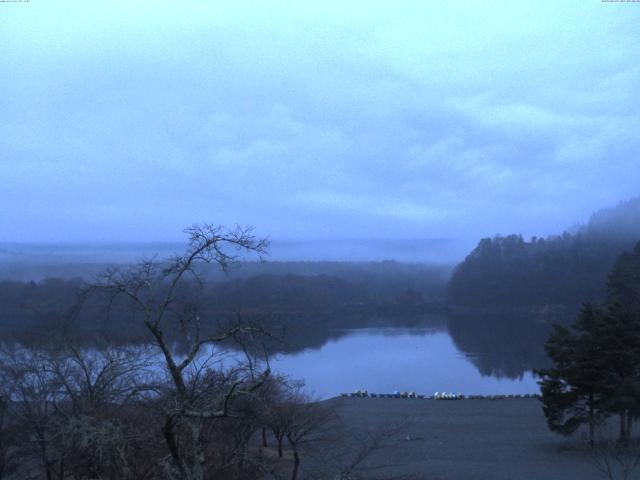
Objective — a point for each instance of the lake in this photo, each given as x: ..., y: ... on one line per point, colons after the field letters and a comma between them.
x: 383, y: 360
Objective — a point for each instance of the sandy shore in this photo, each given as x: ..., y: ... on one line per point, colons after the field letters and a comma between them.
x: 465, y: 439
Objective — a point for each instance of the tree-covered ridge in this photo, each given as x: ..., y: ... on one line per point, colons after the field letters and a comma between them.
x: 567, y: 269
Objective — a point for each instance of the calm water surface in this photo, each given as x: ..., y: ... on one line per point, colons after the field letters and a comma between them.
x: 382, y: 360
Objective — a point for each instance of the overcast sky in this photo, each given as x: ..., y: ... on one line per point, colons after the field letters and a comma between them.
x: 131, y: 120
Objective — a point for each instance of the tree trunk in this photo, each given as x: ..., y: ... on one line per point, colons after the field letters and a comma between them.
x: 623, y: 427
x: 61, y: 468
x: 197, y: 466
x: 592, y: 420
x: 296, y: 462
x: 167, y: 431
x: 629, y: 425
x: 264, y: 437
x: 45, y: 460
x: 280, y: 446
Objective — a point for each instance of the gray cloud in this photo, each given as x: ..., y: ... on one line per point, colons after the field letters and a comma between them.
x: 133, y: 119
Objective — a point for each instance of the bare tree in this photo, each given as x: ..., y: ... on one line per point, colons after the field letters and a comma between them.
x: 347, y: 457
x: 34, y: 393
x: 67, y: 406
x: 7, y: 429
x: 308, y: 421
x: 616, y: 460
x: 98, y: 411
x: 165, y: 296
x: 292, y: 415
x: 276, y: 412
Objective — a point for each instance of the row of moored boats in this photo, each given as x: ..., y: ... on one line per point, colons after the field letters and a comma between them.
x: 435, y: 396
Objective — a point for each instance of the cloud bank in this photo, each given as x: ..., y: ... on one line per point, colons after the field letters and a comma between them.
x: 130, y: 120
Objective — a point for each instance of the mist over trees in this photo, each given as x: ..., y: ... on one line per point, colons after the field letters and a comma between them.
x: 301, y: 298
x: 568, y: 269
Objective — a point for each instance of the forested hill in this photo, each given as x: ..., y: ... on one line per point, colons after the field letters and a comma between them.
x: 568, y: 269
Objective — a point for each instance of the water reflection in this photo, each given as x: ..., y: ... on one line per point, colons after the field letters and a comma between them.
x: 502, y: 344
x: 424, y: 360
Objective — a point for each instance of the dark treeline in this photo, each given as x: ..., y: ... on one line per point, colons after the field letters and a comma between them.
x: 353, y: 293
x: 329, y: 285
x: 567, y: 269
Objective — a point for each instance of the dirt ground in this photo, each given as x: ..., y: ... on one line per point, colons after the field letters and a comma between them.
x: 464, y: 440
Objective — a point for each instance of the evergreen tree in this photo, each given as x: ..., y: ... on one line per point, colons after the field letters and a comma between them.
x: 572, y: 389
x: 620, y: 366
x: 623, y: 338
x: 624, y: 281
x: 596, y: 370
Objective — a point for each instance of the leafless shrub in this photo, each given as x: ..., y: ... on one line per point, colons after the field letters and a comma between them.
x: 67, y: 405
x: 614, y: 460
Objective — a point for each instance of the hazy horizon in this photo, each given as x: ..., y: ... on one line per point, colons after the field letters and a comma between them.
x: 435, y: 251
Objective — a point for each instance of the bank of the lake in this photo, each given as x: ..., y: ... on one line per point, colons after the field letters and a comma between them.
x: 464, y: 440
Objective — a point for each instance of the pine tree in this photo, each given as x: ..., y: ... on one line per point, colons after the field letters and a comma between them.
x: 596, y: 370
x: 620, y: 359
x: 624, y: 281
x: 622, y: 337
x: 572, y: 389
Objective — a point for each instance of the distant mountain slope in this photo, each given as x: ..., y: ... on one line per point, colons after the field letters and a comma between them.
x: 567, y: 269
